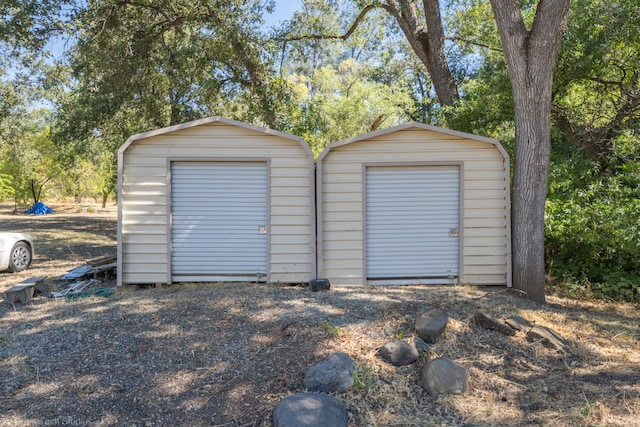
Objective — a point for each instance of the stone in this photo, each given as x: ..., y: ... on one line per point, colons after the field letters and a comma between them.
x: 547, y: 337
x: 310, y: 410
x: 443, y: 376
x: 398, y: 353
x: 333, y: 375
x: 430, y: 326
x: 420, y: 344
x: 389, y: 331
x: 482, y: 319
x: 518, y: 323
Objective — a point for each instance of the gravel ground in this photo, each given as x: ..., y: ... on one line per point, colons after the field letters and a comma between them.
x: 187, y: 355
x: 225, y: 354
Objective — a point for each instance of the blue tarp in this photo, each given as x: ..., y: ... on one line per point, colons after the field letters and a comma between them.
x: 39, y: 209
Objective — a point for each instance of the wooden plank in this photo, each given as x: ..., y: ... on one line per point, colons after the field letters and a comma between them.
x: 19, y: 293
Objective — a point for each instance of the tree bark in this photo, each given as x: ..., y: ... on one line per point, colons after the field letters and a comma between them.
x: 427, y: 40
x: 531, y: 58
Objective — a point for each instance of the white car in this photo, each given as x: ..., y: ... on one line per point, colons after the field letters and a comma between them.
x: 16, y: 251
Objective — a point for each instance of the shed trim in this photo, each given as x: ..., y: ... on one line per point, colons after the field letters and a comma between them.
x: 209, y: 120
x: 414, y: 125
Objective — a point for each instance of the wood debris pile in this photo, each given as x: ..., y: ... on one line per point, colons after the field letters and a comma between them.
x: 80, y: 279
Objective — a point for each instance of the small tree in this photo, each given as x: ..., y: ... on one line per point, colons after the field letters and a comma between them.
x: 39, y: 164
x: 106, y: 176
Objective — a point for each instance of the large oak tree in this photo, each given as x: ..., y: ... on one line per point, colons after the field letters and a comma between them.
x: 531, y: 56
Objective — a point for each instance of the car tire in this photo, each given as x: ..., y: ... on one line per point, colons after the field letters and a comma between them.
x: 20, y: 257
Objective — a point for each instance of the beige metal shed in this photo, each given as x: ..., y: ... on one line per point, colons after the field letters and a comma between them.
x: 213, y: 200
x: 414, y: 204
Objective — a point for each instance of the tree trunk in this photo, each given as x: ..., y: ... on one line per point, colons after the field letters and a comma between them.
x: 531, y: 59
x: 529, y: 192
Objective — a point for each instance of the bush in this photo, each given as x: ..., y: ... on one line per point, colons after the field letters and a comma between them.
x: 593, y: 231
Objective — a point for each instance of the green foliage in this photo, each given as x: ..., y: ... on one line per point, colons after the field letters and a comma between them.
x: 592, y: 229
x: 6, y: 186
x: 332, y: 330
x: 168, y: 62
x: 487, y: 105
x: 339, y: 103
x: 596, y: 96
x: 337, y: 89
x: 363, y: 377
x: 28, y: 156
x: 27, y: 25
x: 593, y: 233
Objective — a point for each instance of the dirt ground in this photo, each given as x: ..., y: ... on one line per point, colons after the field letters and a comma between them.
x: 225, y: 354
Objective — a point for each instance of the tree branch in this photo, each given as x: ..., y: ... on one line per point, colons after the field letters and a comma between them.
x: 564, y: 123
x: 354, y: 26
x: 474, y: 43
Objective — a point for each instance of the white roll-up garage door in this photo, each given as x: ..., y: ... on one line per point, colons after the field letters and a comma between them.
x: 412, y: 221
x: 218, y: 221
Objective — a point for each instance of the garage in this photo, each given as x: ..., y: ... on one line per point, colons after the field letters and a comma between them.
x: 411, y: 224
x: 215, y: 200
x: 224, y: 235
x: 414, y: 204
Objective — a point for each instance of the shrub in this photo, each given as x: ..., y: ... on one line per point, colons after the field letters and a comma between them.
x: 593, y: 232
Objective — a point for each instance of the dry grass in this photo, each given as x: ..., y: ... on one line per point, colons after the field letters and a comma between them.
x: 225, y: 354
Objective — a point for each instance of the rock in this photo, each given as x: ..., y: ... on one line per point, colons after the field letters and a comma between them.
x: 421, y: 346
x: 442, y: 376
x: 518, y: 323
x: 430, y: 326
x: 310, y: 410
x: 398, y: 353
x: 548, y: 337
x: 482, y: 319
x: 333, y: 375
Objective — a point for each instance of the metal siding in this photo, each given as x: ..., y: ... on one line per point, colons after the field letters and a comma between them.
x: 409, y: 214
x: 217, y: 211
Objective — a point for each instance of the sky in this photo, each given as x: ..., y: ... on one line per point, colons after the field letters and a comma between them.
x: 284, y: 10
